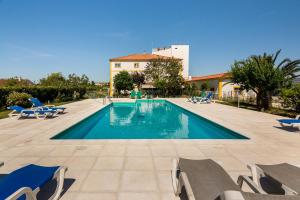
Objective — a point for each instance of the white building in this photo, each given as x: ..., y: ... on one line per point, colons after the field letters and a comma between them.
x: 176, y: 51
x: 138, y: 62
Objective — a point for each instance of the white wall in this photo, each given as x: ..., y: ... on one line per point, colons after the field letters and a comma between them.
x: 125, y: 66
x: 227, y: 87
x: 177, y: 51
x: 228, y: 90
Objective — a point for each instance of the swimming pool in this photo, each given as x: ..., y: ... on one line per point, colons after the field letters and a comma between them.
x: 146, y: 119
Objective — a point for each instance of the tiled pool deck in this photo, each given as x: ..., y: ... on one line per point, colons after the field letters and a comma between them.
x: 140, y: 169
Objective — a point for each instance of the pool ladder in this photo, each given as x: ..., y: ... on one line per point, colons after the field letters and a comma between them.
x: 105, y: 98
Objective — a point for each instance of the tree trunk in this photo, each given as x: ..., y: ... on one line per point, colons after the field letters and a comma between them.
x: 266, y: 101
x: 263, y: 101
x: 258, y: 100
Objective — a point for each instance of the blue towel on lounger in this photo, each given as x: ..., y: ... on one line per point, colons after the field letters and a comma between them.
x: 32, y: 176
x: 289, y: 121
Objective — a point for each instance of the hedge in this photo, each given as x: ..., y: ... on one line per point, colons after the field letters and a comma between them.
x: 44, y: 93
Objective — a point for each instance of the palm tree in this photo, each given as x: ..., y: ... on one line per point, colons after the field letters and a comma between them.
x: 264, y: 77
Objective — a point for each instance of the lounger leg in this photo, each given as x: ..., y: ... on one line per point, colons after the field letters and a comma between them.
x: 37, y: 116
x: 59, y: 176
x: 12, y: 114
x: 250, y: 183
x: 30, y: 195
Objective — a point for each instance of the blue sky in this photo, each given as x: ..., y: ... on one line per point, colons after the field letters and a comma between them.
x: 38, y: 37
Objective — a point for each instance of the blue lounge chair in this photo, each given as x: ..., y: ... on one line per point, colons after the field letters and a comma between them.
x: 37, y: 104
x: 25, y: 183
x: 206, y: 99
x: 19, y: 112
x: 291, y: 122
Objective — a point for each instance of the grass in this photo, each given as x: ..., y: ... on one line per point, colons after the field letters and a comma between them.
x: 274, y: 111
x: 4, y: 113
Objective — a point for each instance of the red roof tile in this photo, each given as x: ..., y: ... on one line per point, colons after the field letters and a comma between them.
x: 138, y: 57
x: 208, y: 77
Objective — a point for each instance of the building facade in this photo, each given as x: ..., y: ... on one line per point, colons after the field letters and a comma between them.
x: 220, y: 85
x: 138, y: 62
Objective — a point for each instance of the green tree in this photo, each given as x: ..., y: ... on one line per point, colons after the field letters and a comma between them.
x: 262, y: 75
x: 54, y: 79
x: 166, y: 75
x: 191, y: 89
x: 74, y: 80
x: 161, y: 85
x: 123, y: 81
x: 138, y: 78
x: 291, y: 97
x: 174, y: 79
x: 155, y: 70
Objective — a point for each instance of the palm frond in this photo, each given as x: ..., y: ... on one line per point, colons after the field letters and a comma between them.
x: 286, y: 60
x: 276, y: 55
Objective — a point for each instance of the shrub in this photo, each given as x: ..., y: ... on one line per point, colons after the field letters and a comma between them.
x: 291, y: 97
x: 19, y: 98
x: 44, y: 93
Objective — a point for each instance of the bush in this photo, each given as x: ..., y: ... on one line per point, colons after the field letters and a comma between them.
x: 44, y: 93
x: 19, y: 98
x: 291, y: 97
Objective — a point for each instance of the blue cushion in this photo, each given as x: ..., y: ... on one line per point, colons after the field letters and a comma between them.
x: 32, y: 176
x: 43, y: 112
x: 36, y: 102
x: 20, y: 109
x: 289, y: 121
x: 28, y: 112
x: 16, y: 108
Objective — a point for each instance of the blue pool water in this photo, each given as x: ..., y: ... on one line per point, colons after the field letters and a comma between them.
x: 146, y: 119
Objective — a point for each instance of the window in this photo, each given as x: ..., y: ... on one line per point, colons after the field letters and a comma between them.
x: 136, y: 65
x: 117, y: 65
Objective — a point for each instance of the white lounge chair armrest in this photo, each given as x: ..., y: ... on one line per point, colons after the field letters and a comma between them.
x: 256, y: 173
x: 175, y: 181
x: 232, y: 195
x: 59, y: 176
x: 250, y: 183
x: 185, y: 182
x: 30, y: 195
x: 297, y: 117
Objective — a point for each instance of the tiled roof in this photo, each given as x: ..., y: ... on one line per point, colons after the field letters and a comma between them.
x: 138, y: 57
x: 208, y: 77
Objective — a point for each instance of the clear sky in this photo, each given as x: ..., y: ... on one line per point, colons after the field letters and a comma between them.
x: 38, y: 37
